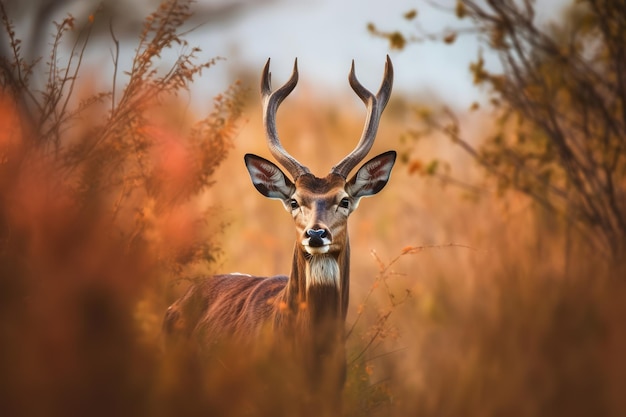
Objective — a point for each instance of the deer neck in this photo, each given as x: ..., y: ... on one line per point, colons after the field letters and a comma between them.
x: 318, y: 288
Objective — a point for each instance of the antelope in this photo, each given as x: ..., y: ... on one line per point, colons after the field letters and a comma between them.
x: 307, y: 309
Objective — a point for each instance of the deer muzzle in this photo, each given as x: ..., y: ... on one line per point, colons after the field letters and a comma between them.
x: 317, y: 241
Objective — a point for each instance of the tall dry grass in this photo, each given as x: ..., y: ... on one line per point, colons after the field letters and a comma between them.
x: 460, y: 304
x: 482, y: 306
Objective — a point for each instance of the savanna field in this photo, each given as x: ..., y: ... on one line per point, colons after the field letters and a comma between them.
x: 467, y: 298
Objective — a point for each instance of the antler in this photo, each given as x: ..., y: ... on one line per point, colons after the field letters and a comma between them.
x: 271, y: 101
x: 375, y: 106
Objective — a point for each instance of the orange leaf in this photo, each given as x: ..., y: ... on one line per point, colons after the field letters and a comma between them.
x: 407, y: 249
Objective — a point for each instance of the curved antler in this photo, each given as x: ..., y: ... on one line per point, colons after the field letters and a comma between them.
x: 271, y: 101
x: 375, y: 106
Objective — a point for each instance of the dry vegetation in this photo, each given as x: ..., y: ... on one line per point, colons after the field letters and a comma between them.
x: 463, y: 306
x: 483, y: 306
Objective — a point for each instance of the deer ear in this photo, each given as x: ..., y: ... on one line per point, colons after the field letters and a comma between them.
x: 372, y: 176
x: 268, y: 179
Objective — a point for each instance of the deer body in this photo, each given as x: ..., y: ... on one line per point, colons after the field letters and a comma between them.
x: 307, y: 309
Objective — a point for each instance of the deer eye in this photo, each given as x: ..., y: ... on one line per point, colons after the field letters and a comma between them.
x: 294, y: 204
x: 344, y: 203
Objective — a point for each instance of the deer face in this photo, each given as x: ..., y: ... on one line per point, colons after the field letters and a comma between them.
x: 320, y: 206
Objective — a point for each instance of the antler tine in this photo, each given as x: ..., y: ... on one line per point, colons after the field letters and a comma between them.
x: 271, y: 101
x: 375, y: 106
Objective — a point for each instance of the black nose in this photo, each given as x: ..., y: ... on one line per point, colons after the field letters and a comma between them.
x: 316, y: 236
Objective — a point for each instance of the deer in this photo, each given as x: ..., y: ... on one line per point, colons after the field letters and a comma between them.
x: 306, y: 309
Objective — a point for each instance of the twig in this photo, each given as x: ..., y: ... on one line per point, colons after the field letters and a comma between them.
x: 115, y: 65
x: 384, y: 271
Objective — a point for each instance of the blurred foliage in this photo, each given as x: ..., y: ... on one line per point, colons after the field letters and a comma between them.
x: 559, y: 131
x: 117, y: 152
x: 517, y: 341
x: 126, y: 18
x: 99, y: 213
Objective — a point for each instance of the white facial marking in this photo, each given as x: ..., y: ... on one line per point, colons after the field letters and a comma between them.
x: 316, y: 250
x: 322, y: 270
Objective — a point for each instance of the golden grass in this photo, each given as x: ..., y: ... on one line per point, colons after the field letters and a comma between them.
x: 489, y: 307
x: 459, y: 306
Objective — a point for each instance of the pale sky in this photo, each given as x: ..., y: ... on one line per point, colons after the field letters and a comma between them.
x: 325, y: 35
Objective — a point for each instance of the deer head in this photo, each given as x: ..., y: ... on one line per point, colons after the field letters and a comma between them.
x: 321, y: 206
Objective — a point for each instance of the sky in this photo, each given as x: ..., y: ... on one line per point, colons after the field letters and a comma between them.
x: 325, y: 35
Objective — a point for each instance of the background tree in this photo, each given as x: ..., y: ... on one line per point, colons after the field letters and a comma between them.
x: 559, y: 98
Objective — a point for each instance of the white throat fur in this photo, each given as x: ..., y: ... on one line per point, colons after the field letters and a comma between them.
x: 322, y: 270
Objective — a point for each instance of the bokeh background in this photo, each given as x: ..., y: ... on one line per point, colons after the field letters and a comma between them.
x: 474, y: 290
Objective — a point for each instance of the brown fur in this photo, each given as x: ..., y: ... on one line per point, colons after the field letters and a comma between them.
x: 223, y: 306
x: 241, y: 307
